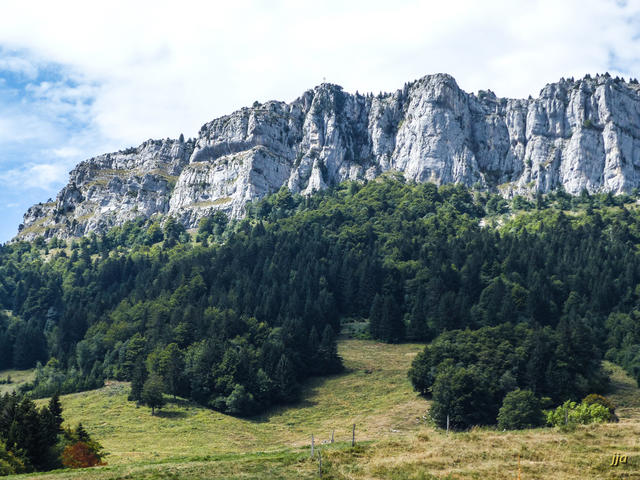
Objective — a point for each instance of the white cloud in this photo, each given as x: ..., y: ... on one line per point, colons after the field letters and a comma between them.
x: 18, y: 65
x: 157, y: 68
x: 17, y: 126
x: 129, y: 71
x: 66, y: 152
x: 39, y: 176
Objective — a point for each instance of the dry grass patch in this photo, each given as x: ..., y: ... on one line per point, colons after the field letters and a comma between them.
x: 485, y: 453
x: 488, y: 454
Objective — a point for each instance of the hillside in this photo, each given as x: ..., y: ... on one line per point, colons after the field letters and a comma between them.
x: 236, y: 314
x: 576, y: 135
x: 241, y: 317
x: 374, y: 393
x: 192, y: 443
x: 18, y: 378
x: 378, y: 402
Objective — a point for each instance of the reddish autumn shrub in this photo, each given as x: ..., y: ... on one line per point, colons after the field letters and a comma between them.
x: 80, y: 455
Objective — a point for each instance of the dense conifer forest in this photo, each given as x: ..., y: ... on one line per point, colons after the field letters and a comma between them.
x: 528, y: 294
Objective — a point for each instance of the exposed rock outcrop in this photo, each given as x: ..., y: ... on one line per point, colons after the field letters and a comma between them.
x: 582, y: 134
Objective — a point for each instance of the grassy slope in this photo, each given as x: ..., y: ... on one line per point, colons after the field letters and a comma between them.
x: 18, y: 377
x: 374, y: 393
x: 376, y: 402
x: 490, y: 454
x: 190, y: 442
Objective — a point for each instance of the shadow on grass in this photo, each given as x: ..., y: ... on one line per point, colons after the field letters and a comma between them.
x: 171, y: 414
x: 181, y: 402
x: 308, y: 390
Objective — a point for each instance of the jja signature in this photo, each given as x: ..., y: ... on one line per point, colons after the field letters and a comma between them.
x: 618, y: 459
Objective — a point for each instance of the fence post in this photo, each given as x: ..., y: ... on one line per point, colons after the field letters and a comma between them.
x: 320, y: 462
x: 332, y: 432
x: 353, y: 436
x: 312, y: 445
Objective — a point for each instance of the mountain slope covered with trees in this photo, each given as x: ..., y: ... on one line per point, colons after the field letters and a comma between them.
x: 236, y: 314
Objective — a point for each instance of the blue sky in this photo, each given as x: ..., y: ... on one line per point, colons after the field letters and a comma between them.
x: 43, y: 113
x: 78, y: 79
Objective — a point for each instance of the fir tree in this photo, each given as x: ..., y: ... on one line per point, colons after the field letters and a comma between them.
x: 328, y: 352
x: 137, y: 382
x: 285, y: 380
x: 376, y: 316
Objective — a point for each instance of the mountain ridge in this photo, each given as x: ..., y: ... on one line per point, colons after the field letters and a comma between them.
x: 576, y: 135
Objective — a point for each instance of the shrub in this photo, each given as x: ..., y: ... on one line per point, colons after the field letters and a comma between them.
x: 80, y: 455
x: 520, y: 409
x: 596, y: 399
x: 572, y: 413
x: 80, y: 450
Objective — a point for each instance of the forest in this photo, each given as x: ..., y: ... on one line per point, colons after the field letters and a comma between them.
x: 524, y: 294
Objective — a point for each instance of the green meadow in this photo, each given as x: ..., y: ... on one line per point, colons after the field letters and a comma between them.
x: 394, y: 440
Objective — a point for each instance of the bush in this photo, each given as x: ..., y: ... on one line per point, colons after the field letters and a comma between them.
x: 572, y: 413
x: 80, y: 450
x: 80, y: 455
x: 595, y: 399
x: 520, y: 409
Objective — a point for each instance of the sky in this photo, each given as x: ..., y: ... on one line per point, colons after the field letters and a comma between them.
x: 79, y: 78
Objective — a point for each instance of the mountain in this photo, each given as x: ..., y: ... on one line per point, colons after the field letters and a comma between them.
x: 576, y: 135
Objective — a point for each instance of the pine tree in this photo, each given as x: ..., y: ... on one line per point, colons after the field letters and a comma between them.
x: 376, y: 316
x: 328, y: 352
x: 418, y: 329
x: 27, y: 433
x: 392, y: 326
x: 137, y: 381
x: 285, y: 380
x: 81, y: 433
x: 55, y: 407
x: 52, y: 419
x: 313, y: 356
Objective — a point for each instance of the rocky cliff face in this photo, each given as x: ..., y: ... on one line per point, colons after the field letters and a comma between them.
x: 582, y: 134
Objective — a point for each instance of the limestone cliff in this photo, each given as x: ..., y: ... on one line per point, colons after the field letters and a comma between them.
x: 582, y: 134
